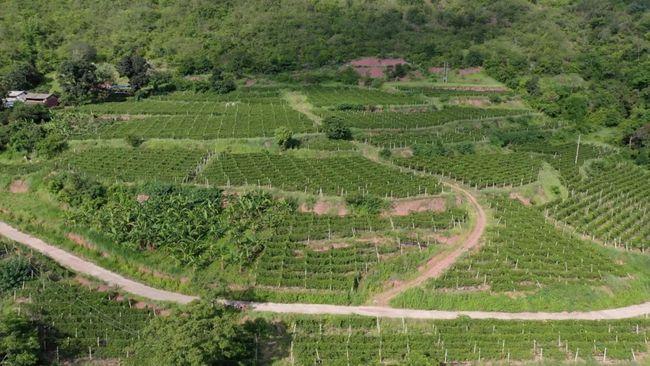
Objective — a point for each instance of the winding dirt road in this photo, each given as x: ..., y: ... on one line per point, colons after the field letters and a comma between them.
x: 439, y: 263
x: 432, y: 269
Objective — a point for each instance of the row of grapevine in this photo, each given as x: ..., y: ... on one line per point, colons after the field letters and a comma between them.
x: 419, y: 119
x: 239, y: 120
x: 331, y: 175
x: 330, y: 96
x: 611, y: 204
x: 111, y: 164
x: 480, y: 170
x: 523, y: 252
x: 370, y: 341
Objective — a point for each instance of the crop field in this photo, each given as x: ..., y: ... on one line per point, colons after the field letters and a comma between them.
x: 480, y: 170
x: 611, y: 204
x: 236, y: 121
x: 245, y: 95
x: 86, y: 322
x: 369, y: 341
x: 154, y: 107
x: 332, y: 175
x: 432, y: 91
x: 419, y: 119
x: 525, y: 253
x: 308, y: 226
x: 563, y: 157
x: 341, y: 266
x: 134, y: 165
x: 324, y: 96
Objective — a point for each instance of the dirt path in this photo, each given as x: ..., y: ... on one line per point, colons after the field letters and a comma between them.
x: 442, y: 261
x: 79, y: 265
x: 82, y: 266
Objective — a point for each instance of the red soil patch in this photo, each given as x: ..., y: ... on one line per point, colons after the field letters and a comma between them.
x: 155, y: 274
x: 19, y: 186
x: 80, y: 240
x: 403, y: 208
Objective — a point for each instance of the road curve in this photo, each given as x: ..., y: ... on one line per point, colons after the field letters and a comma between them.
x: 438, y: 264
x: 80, y: 265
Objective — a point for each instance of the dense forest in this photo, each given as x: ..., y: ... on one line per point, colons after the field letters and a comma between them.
x: 588, y: 56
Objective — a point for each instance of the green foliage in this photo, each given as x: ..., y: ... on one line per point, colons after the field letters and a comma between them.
x: 136, y: 68
x: 284, y: 138
x: 35, y: 113
x: 134, y: 140
x: 336, y: 128
x: 13, y: 272
x: 201, y: 334
x: 221, y: 83
x: 76, y: 190
x: 366, y: 204
x: 52, y: 145
x: 385, y: 153
x: 78, y: 78
x: 22, y: 76
x: 19, y: 341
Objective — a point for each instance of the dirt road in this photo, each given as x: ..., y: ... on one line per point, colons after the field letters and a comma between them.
x: 79, y: 265
x: 82, y: 266
x: 441, y: 262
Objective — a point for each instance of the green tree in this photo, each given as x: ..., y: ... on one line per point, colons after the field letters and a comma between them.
x: 284, y: 137
x: 203, y: 333
x: 23, y: 76
x: 78, y: 79
x: 35, y: 113
x: 221, y: 83
x: 19, y: 344
x: 336, y: 129
x: 52, y: 145
x: 575, y: 107
x: 136, y: 68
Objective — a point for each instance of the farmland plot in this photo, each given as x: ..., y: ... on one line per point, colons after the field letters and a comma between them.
x: 611, y: 204
x: 480, y: 170
x: 419, y: 119
x: 369, y: 341
x: 170, y: 165
x: 235, y: 121
x: 332, y: 175
x: 324, y: 96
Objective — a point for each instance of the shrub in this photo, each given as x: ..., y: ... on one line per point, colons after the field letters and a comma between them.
x: 385, y: 153
x: 335, y: 128
x: 13, y: 272
x: 284, y: 138
x: 366, y: 204
x: 134, y: 141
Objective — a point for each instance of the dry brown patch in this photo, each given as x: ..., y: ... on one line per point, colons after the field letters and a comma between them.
x: 81, y: 241
x: 448, y: 240
x: 83, y: 281
x: 405, y: 207
x: 155, y: 274
x: 520, y: 198
x: 480, y: 288
x: 19, y: 186
x: 121, y: 117
x: 329, y: 246
x: 475, y: 102
x: 142, y: 198
x: 323, y: 208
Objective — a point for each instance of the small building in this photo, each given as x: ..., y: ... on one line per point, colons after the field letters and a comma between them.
x: 46, y: 99
x: 13, y: 97
x: 374, y: 67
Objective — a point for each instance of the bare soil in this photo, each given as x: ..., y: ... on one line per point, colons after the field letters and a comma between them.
x: 406, y: 207
x: 19, y: 186
x: 81, y: 241
x: 325, y: 208
x: 520, y: 198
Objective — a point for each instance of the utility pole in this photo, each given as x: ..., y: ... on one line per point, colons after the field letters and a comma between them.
x: 577, y: 151
x: 445, y: 78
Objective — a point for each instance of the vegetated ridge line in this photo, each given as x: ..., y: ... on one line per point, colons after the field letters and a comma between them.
x: 438, y: 264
